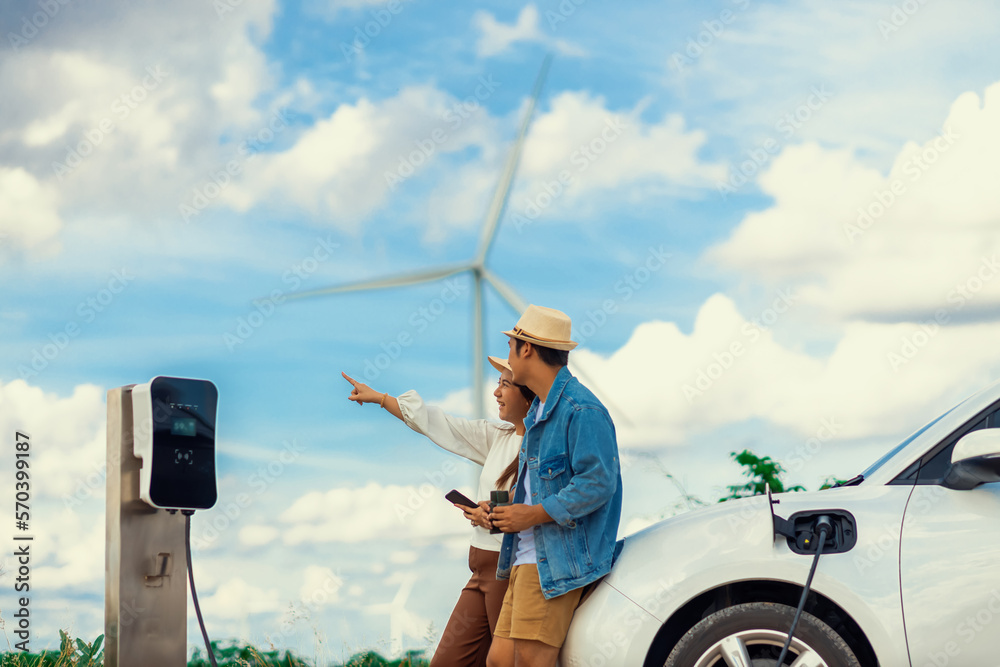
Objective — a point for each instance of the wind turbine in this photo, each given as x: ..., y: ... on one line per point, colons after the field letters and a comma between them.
x: 476, y: 266
x: 402, y: 622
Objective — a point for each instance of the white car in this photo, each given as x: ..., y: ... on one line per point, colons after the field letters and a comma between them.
x: 916, y: 581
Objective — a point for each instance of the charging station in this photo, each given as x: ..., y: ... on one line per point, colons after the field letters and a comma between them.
x: 160, y: 459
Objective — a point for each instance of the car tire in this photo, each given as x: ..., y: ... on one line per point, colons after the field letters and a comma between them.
x: 752, y: 635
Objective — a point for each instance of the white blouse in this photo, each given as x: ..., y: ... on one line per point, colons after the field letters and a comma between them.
x: 491, y: 444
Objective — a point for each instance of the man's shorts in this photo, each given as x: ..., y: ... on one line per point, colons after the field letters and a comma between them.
x: 526, y: 614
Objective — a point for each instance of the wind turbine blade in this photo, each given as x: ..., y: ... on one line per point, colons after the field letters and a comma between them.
x: 506, y: 292
x: 398, y: 280
x: 403, y: 594
x: 617, y: 412
x: 500, y: 196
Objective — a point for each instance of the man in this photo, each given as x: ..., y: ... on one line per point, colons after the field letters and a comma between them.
x: 563, y: 521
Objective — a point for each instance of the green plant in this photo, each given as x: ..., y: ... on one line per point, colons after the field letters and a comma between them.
x: 78, y: 653
x: 762, y: 471
x: 72, y: 653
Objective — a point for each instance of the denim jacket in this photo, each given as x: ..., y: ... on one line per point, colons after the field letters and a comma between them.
x: 571, y: 455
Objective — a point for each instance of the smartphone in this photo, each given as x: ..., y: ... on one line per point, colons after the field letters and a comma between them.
x: 459, y: 499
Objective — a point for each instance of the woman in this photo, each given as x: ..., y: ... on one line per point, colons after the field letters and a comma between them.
x: 493, y: 445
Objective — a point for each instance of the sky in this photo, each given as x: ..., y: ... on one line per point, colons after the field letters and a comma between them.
x: 774, y: 225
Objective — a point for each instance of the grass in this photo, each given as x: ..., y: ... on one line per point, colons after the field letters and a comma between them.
x: 78, y: 653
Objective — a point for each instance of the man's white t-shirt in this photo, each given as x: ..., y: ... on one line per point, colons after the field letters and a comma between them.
x: 526, y: 538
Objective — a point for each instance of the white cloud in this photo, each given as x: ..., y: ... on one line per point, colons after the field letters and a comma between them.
x: 887, y: 86
x: 320, y: 587
x: 29, y: 216
x: 578, y: 154
x: 371, y: 512
x: 128, y: 118
x: 338, y: 169
x: 72, y: 459
x: 605, y: 148
x: 403, y: 557
x: 68, y: 549
x: 848, y: 237
x: 257, y: 535
x: 879, y: 379
x: 235, y: 599
x: 496, y: 37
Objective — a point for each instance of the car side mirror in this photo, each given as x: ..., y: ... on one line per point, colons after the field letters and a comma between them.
x: 975, y: 460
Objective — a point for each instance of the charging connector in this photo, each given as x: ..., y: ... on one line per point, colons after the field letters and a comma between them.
x: 822, y: 527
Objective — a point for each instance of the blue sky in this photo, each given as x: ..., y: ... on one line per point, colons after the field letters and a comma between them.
x: 819, y: 179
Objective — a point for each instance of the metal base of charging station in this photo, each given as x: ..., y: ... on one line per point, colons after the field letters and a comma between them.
x: 145, y: 565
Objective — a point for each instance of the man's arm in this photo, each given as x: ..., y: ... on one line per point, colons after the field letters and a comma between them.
x: 515, y: 518
x: 593, y: 456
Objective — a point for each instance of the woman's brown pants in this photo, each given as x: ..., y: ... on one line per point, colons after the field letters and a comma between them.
x: 469, y: 633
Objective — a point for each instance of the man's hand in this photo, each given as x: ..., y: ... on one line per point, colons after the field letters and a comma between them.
x: 515, y: 518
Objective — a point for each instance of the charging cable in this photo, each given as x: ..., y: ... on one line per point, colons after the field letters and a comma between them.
x: 194, y: 594
x: 823, y: 526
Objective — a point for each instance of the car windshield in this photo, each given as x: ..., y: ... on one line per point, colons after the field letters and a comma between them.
x: 898, y: 448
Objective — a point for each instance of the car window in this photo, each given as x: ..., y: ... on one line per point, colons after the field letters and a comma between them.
x: 934, y: 465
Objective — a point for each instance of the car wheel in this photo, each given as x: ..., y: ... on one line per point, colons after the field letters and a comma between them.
x: 752, y: 635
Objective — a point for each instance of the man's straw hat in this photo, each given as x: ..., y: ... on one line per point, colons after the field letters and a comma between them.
x: 545, y: 327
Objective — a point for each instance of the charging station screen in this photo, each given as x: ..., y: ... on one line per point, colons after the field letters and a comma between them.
x: 183, y: 443
x: 184, y: 426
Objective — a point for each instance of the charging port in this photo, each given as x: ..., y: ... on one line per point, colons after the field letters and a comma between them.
x: 800, y: 531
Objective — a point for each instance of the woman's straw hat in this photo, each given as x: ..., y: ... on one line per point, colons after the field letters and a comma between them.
x: 500, y: 364
x: 545, y: 327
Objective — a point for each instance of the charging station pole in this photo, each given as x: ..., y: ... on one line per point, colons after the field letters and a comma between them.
x: 145, y: 570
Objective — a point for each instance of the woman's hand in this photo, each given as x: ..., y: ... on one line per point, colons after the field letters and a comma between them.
x: 478, y: 516
x: 362, y: 393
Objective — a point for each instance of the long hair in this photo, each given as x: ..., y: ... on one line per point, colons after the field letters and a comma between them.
x: 508, y: 478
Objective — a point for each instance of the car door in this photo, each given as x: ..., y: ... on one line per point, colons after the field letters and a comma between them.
x: 950, y: 562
